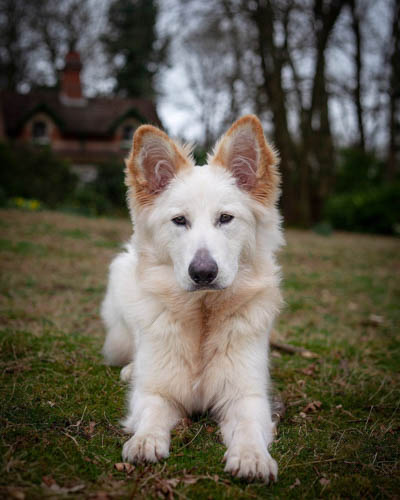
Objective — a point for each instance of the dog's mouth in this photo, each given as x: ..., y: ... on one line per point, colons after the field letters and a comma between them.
x: 210, y: 287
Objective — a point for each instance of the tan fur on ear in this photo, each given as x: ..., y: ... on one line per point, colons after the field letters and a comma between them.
x: 178, y: 156
x: 264, y: 187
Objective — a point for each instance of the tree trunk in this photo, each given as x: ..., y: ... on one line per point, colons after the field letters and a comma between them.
x: 358, y: 69
x: 271, y: 65
x: 393, y: 161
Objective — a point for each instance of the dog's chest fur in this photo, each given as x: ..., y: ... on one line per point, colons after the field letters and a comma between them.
x: 202, y: 333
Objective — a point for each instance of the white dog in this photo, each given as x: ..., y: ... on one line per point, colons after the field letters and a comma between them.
x: 191, y: 301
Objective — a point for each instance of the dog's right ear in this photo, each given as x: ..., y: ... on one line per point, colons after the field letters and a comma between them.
x: 153, y: 162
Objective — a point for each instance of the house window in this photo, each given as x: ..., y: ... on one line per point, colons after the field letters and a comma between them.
x: 127, y: 134
x: 40, y: 132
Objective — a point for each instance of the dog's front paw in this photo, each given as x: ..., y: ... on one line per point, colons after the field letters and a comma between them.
x: 127, y: 373
x: 145, y: 447
x: 250, y: 462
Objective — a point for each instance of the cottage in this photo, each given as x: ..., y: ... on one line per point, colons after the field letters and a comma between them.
x: 86, y: 131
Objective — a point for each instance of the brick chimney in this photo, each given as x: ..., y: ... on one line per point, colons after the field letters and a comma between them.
x: 71, y: 89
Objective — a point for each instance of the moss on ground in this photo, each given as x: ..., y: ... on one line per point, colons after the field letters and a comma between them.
x: 60, y: 410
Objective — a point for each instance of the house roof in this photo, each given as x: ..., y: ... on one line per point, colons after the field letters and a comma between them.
x: 95, y: 117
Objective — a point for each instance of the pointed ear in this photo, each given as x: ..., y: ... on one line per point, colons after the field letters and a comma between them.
x: 244, y: 151
x: 153, y: 162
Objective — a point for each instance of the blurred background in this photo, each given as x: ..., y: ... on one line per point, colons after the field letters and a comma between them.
x: 77, y: 77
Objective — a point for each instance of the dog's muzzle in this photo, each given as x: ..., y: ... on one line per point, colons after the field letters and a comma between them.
x: 203, y: 269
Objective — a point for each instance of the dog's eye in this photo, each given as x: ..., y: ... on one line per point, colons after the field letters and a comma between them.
x: 180, y: 221
x: 225, y: 218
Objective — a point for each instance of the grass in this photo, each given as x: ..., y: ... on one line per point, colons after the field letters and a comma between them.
x: 60, y: 410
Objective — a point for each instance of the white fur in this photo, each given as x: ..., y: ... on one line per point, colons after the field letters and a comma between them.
x: 189, y: 351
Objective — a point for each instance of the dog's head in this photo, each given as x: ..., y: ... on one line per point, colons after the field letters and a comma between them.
x: 207, y: 222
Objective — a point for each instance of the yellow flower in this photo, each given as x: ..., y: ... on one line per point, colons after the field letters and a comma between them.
x: 34, y: 205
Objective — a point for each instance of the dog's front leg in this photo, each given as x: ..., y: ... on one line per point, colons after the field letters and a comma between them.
x: 247, y: 430
x: 151, y: 419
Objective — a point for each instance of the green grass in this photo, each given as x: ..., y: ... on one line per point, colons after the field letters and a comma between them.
x: 60, y: 406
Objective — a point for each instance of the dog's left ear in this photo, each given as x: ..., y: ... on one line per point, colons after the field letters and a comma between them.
x: 154, y: 161
x: 244, y: 151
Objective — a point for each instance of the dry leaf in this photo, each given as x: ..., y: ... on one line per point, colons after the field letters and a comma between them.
x: 313, y: 406
x: 50, y: 483
x: 310, y: 370
x: 183, y: 423
x: 14, y: 464
x: 324, y: 482
x: 190, y: 479
x: 124, y: 467
x: 15, y: 493
x: 100, y: 495
x: 309, y: 354
x: 173, y: 482
x: 373, y: 320
x: 296, y: 483
x: 64, y: 491
x: 48, y: 480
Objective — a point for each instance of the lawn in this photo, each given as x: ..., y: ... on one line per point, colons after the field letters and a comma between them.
x: 60, y: 406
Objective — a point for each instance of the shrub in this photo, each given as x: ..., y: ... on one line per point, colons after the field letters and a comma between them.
x: 357, y: 170
x: 86, y: 201
x: 104, y: 195
x: 110, y: 183
x: 35, y: 174
x: 372, y: 210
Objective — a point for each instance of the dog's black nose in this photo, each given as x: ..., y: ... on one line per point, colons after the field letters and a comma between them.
x: 203, y: 269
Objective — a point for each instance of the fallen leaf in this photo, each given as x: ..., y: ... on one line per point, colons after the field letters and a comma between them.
x: 165, y: 488
x: 309, y: 354
x: 15, y: 493
x: 324, y: 482
x: 373, y: 320
x: 310, y: 370
x: 48, y: 480
x: 210, y: 429
x: 124, y: 467
x: 100, y: 495
x: 186, y: 422
x: 296, y: 483
x: 312, y: 407
x: 14, y: 463
x: 173, y: 482
x: 50, y: 483
x: 190, y: 479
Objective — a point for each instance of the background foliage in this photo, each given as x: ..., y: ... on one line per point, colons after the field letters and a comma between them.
x: 323, y: 76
